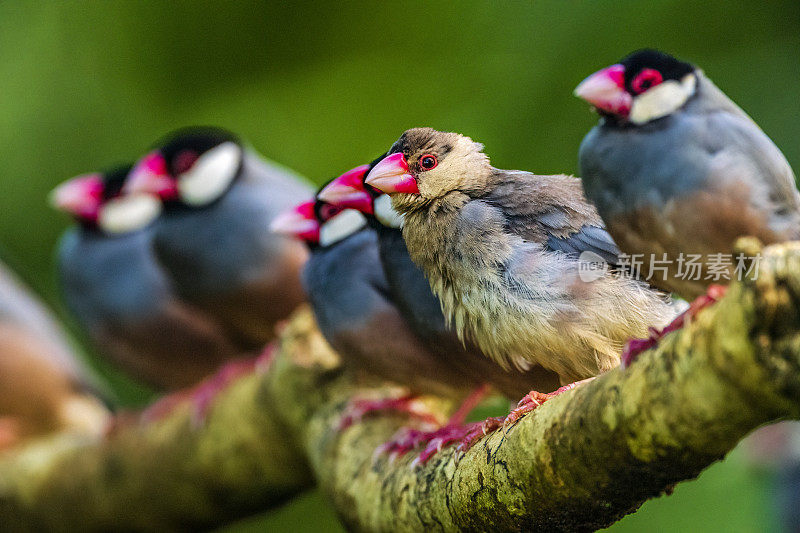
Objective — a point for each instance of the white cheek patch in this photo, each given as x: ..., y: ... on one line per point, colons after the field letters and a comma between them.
x: 385, y: 213
x: 341, y: 226
x: 210, y: 175
x: 661, y: 100
x: 128, y: 213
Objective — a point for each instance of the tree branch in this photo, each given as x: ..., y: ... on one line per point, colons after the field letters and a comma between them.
x: 579, y: 462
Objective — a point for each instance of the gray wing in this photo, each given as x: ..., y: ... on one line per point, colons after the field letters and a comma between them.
x: 750, y: 156
x: 587, y: 239
x: 737, y: 136
x: 552, y: 211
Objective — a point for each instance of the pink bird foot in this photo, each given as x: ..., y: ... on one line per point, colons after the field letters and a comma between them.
x: 534, y: 399
x: 634, y: 347
x: 203, y: 394
x: 360, y: 409
x: 465, y: 435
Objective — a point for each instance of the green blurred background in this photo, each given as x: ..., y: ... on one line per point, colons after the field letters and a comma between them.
x: 324, y: 86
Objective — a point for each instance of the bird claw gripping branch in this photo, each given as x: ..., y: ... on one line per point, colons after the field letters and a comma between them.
x: 634, y: 347
x: 202, y: 395
x: 360, y: 409
x: 534, y: 399
x: 466, y: 435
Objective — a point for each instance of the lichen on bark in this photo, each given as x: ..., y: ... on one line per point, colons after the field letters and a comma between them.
x: 579, y: 462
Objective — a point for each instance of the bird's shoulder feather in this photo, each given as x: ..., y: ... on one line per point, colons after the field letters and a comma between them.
x: 552, y: 211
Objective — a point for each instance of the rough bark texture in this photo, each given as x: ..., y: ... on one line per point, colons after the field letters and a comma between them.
x: 579, y: 462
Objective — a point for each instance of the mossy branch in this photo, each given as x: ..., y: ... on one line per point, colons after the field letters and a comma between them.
x: 579, y: 462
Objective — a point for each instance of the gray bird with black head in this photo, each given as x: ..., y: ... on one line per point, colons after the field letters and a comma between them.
x: 120, y: 295
x: 352, y: 302
x: 220, y: 198
x: 678, y: 171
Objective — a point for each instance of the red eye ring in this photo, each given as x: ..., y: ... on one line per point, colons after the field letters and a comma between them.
x: 646, y: 79
x: 183, y: 161
x: 328, y: 211
x: 428, y: 162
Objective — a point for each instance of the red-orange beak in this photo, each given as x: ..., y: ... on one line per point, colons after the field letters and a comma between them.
x: 348, y: 192
x: 391, y: 176
x: 605, y: 90
x: 80, y: 196
x: 150, y: 175
x: 299, y: 222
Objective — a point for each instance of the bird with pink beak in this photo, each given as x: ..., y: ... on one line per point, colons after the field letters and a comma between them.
x: 220, y: 198
x: 355, y: 306
x: 503, y: 251
x: 348, y: 293
x: 676, y: 169
x: 120, y: 296
x: 412, y: 293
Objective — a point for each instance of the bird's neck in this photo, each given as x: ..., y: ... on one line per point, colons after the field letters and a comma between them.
x: 450, y: 254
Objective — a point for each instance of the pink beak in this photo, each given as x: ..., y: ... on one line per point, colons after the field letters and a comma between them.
x: 348, y: 192
x: 150, y: 175
x: 80, y: 196
x: 605, y: 90
x: 391, y: 176
x: 298, y: 222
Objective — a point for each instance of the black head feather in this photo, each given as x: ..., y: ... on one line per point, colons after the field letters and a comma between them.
x: 669, y: 67
x: 196, y: 140
x: 323, y: 211
x: 114, y: 179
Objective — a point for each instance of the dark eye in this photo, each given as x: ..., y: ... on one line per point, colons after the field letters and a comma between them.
x: 428, y: 161
x: 645, y: 79
x: 183, y: 161
x: 328, y: 211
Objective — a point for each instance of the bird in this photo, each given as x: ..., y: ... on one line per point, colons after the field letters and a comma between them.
x: 411, y: 292
x: 508, y: 253
x: 213, y: 239
x: 44, y: 387
x: 678, y: 172
x: 351, y: 301
x: 353, y: 305
x: 121, y: 297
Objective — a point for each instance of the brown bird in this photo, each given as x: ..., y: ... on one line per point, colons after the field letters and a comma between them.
x: 43, y: 386
x: 506, y: 253
x: 411, y: 293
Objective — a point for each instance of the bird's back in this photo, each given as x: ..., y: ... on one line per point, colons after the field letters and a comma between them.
x: 224, y: 259
x: 125, y: 302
